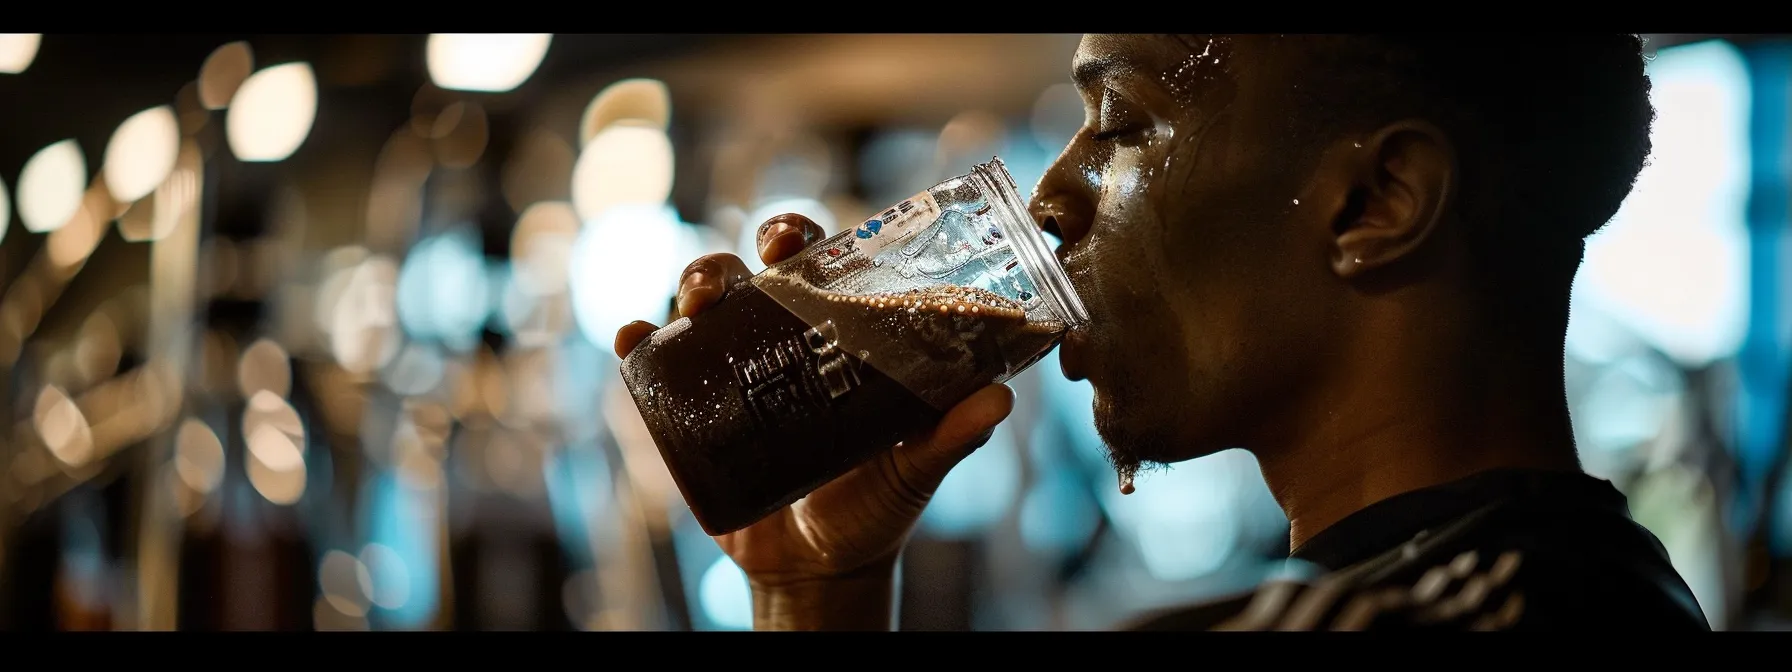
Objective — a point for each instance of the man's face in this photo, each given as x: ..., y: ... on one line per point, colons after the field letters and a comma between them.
x: 1205, y: 278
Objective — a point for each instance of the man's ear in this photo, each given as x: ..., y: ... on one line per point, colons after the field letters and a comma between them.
x: 1400, y: 180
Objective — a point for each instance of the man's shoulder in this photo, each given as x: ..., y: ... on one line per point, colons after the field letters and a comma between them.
x: 1498, y: 569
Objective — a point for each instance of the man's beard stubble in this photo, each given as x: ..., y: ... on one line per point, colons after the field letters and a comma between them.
x: 1129, y: 448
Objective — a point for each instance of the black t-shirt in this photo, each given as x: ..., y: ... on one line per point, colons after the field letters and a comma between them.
x: 1503, y: 550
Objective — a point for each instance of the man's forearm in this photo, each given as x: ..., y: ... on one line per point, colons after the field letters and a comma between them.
x: 861, y: 601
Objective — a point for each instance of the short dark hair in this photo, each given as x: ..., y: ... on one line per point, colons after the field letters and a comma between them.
x: 1551, y: 130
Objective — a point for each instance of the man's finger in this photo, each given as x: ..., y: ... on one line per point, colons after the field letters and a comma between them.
x: 631, y: 335
x: 705, y: 281
x: 783, y: 236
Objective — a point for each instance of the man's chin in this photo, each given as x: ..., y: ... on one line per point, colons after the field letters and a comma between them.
x: 1130, y: 445
x: 1138, y: 443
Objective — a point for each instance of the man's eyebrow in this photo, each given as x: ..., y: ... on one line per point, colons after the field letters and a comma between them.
x: 1089, y: 72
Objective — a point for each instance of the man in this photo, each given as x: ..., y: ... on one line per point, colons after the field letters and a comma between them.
x: 1350, y: 255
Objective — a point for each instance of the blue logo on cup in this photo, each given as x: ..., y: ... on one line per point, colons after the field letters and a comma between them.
x: 869, y: 229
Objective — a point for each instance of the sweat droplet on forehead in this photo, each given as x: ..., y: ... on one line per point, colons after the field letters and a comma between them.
x: 1201, y: 71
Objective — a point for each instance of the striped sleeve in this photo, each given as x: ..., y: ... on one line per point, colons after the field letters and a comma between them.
x: 1469, y: 592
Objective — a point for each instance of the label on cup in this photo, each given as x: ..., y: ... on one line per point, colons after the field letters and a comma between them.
x: 895, y: 223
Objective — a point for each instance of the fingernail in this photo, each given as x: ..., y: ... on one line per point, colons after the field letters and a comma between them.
x: 773, y: 230
x: 692, y: 280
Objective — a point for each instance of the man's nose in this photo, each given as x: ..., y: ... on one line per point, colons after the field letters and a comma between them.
x: 1064, y: 203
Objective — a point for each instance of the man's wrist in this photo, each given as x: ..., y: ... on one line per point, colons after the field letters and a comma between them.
x: 861, y: 600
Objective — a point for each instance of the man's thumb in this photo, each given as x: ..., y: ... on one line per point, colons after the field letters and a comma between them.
x: 963, y: 429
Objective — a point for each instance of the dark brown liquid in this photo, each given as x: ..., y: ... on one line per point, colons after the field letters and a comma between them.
x: 754, y: 407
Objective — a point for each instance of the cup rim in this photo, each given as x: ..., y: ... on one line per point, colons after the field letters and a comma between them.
x: 1030, y: 245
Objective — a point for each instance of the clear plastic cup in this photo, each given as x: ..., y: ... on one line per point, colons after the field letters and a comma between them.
x: 821, y: 361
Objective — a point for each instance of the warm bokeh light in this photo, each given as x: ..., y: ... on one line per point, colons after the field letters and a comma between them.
x: 63, y: 427
x: 17, y: 51
x: 264, y: 367
x: 359, y: 304
x: 68, y: 247
x: 345, y: 583
x: 271, y: 114
x: 276, y: 438
x: 645, y: 101
x: 541, y: 247
x: 487, y: 62
x: 97, y: 348
x: 141, y: 153
x: 224, y: 71
x: 51, y: 186
x: 198, y: 456
x: 625, y: 164
x: 173, y: 201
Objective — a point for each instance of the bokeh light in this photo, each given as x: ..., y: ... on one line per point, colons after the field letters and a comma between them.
x: 345, y: 582
x: 51, y: 186
x: 271, y: 114
x: 223, y: 73
x: 63, y: 427
x: 141, y: 153
x: 17, y: 51
x: 624, y: 267
x: 276, y: 442
x: 444, y: 292
x: 724, y: 595
x: 541, y: 247
x: 358, y: 307
x: 642, y: 101
x: 624, y: 165
x: 487, y: 62
x: 264, y: 367
x: 198, y: 456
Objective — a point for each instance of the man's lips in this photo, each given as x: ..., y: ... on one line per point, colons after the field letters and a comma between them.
x: 1070, y: 354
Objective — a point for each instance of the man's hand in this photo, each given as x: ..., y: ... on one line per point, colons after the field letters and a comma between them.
x: 828, y: 561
